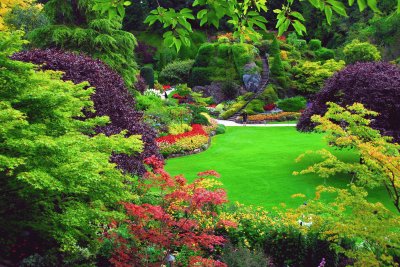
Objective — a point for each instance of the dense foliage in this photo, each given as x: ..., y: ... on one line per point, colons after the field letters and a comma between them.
x: 358, y: 51
x: 186, y: 218
x: 376, y: 85
x: 76, y: 27
x: 309, y: 77
x: 58, y: 188
x: 111, y: 99
x: 176, y: 72
x: 380, y: 159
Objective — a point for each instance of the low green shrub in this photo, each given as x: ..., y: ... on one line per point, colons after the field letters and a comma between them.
x: 292, y: 104
x: 255, y: 106
x: 314, y: 44
x: 147, y: 74
x: 178, y: 128
x: 233, y: 109
x: 325, y: 53
x: 200, y: 76
x: 205, y: 54
x: 358, y: 51
x: 176, y: 72
x: 221, y: 129
x: 277, y: 66
x: 269, y: 95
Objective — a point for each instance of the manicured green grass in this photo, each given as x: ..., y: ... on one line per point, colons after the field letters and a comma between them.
x: 256, y: 165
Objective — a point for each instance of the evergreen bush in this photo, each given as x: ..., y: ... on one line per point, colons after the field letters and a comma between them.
x: 358, y: 51
x: 176, y: 72
x: 292, y: 104
x: 315, y: 44
x: 148, y: 75
x: 79, y: 28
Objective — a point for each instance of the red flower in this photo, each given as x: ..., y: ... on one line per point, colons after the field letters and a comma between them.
x: 197, y: 129
x: 166, y: 87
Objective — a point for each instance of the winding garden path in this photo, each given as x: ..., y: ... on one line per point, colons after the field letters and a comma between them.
x: 232, y: 123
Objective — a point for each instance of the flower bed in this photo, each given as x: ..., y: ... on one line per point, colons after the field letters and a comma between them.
x: 189, y: 141
x: 283, y: 116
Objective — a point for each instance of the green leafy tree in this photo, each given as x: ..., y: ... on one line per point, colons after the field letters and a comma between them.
x: 243, y: 15
x: 364, y: 232
x: 77, y: 27
x: 58, y: 189
x: 358, y: 51
x: 379, y: 158
x: 310, y: 76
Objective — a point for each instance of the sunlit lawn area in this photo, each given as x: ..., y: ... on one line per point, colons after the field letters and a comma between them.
x: 256, y: 165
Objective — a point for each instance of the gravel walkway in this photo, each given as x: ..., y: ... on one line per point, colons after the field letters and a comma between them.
x: 231, y: 123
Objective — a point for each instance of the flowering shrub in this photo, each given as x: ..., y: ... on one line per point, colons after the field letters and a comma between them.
x: 186, y: 218
x: 183, y: 145
x: 152, y: 92
x: 166, y: 87
x: 188, y: 141
x: 283, y: 116
x: 202, y: 262
x: 178, y: 128
x: 197, y: 129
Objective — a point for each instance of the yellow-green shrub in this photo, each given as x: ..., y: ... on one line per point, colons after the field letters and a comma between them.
x: 178, y: 128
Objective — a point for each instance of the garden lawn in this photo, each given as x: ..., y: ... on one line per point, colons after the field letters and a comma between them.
x: 256, y: 166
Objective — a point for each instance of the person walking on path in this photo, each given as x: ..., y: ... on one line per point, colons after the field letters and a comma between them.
x: 244, y: 116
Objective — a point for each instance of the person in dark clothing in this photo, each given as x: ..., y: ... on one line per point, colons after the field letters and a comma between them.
x: 165, y: 95
x: 244, y: 116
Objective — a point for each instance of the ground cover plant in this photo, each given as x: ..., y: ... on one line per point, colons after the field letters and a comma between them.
x: 267, y: 156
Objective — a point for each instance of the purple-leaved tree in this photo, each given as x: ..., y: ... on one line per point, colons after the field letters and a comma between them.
x: 111, y: 99
x: 374, y: 84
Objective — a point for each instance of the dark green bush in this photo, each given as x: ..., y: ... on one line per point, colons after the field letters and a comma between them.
x: 314, y: 44
x: 285, y: 46
x: 274, y: 49
x: 325, y: 53
x: 292, y: 104
x: 264, y: 46
x: 205, y: 54
x: 176, y: 72
x: 255, y: 106
x: 200, y: 76
x: 277, y: 66
x: 269, y: 95
x: 221, y: 129
x: 148, y: 75
x: 230, y: 89
x: 164, y: 56
x: 197, y: 117
x: 282, y: 81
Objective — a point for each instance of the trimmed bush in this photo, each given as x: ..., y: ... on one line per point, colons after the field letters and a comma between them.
x: 206, y: 52
x: 358, y: 51
x: 374, y: 84
x: 200, y: 76
x: 233, y: 109
x: 221, y: 129
x: 292, y: 104
x: 255, y: 106
x: 325, y: 53
x: 147, y: 74
x: 277, y: 66
x: 176, y: 72
x: 269, y: 95
x: 111, y: 98
x: 315, y: 44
